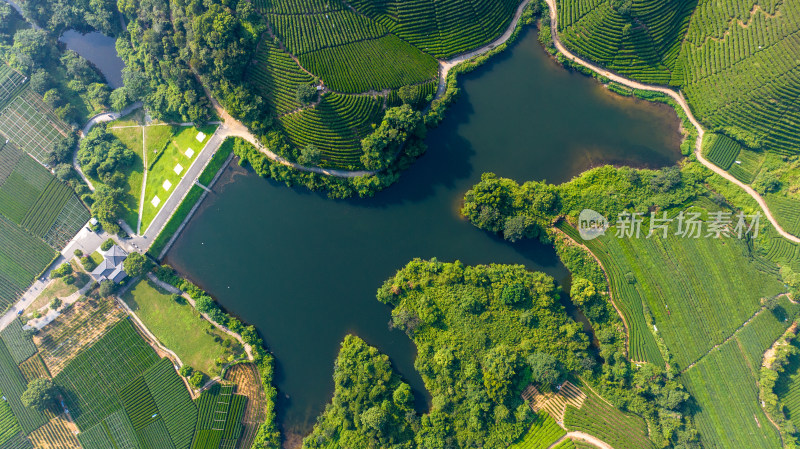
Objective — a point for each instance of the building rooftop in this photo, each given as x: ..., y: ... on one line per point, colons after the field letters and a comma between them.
x: 111, y: 266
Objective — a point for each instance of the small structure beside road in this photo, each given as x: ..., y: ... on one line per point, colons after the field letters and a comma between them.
x: 111, y: 266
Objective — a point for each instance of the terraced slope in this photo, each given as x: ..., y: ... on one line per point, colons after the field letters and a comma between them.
x: 349, y: 51
x: 741, y: 70
x: 442, y: 28
x: 737, y: 61
x: 641, y: 41
x: 366, y: 48
x: 335, y: 126
x: 670, y: 279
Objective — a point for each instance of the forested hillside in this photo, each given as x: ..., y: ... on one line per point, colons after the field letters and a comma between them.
x: 311, y: 78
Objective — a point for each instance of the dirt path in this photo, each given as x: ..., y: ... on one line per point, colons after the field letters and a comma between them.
x: 247, y: 348
x: 761, y: 309
x: 769, y: 357
x: 234, y: 128
x: 583, y: 437
x: 446, y: 65
x: 678, y: 97
x: 608, y: 284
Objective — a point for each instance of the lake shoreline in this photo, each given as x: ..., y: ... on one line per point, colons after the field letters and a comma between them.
x: 260, y: 269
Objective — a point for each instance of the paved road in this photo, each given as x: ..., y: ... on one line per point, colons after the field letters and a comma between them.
x: 109, y: 117
x: 682, y: 102
x: 85, y: 240
x: 142, y: 242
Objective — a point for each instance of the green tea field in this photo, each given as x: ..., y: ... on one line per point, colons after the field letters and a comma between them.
x: 38, y: 216
x: 676, y: 279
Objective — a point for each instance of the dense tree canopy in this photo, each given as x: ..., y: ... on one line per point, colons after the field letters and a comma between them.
x: 107, y: 207
x: 517, y: 211
x: 504, y: 206
x: 136, y: 265
x: 382, y: 147
x: 6, y: 23
x: 69, y: 83
x: 480, y: 332
x: 40, y: 394
x: 102, y: 155
x: 83, y: 15
x: 371, y: 406
x: 501, y: 205
x: 33, y: 49
x: 157, y: 69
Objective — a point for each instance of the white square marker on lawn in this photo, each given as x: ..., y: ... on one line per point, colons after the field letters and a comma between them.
x: 167, y: 185
x: 201, y: 137
x: 178, y: 169
x: 189, y: 152
x: 156, y: 201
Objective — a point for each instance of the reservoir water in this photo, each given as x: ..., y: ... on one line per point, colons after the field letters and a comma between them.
x: 100, y: 50
x: 304, y: 269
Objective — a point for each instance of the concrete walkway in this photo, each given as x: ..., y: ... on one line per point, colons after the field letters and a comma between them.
x: 678, y: 97
x: 85, y: 240
x: 142, y: 242
x: 109, y: 117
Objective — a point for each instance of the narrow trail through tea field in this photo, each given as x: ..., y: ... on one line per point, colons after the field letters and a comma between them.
x: 678, y: 97
x: 583, y: 437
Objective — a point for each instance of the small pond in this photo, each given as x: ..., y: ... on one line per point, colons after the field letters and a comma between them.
x: 100, y: 50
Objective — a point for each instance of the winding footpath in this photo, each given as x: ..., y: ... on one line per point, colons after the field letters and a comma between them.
x: 678, y: 97
x: 234, y: 128
x: 583, y: 436
x: 99, y: 118
x: 446, y: 65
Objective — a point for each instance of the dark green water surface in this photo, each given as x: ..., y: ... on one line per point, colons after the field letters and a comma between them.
x: 304, y: 269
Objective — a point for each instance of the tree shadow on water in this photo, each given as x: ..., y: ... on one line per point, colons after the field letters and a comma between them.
x: 447, y: 161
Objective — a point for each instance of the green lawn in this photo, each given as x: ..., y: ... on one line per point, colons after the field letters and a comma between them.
x: 135, y: 118
x: 132, y: 138
x: 179, y: 327
x: 96, y: 257
x: 161, y: 177
x: 156, y: 138
x: 216, y: 162
x: 186, y: 137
